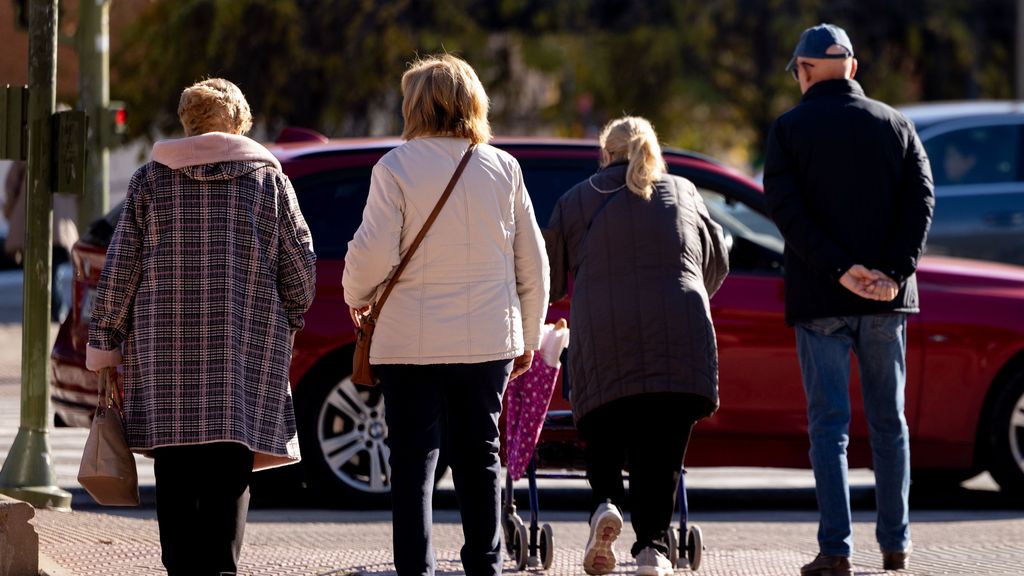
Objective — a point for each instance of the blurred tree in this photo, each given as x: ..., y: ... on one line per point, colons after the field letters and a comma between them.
x: 253, y: 43
x: 710, y: 74
x: 329, y: 65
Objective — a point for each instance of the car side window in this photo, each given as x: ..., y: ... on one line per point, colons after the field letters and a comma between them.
x: 757, y: 244
x: 975, y: 155
x: 332, y: 204
x: 547, y: 180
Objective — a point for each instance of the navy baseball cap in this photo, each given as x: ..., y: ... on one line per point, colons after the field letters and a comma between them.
x: 815, y: 42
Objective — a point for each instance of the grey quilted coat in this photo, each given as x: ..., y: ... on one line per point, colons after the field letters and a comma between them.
x: 642, y: 275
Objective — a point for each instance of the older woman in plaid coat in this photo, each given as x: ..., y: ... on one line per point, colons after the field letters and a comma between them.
x: 205, y: 284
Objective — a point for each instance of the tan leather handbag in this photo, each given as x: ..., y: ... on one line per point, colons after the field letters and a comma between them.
x: 362, y: 373
x: 108, y: 469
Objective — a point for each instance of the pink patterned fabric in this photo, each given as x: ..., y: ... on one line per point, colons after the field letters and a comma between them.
x: 527, y: 403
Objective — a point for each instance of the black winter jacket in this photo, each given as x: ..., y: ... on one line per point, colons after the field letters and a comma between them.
x: 642, y: 278
x: 847, y: 182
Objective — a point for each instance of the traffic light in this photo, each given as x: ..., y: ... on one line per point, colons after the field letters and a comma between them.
x: 114, y: 123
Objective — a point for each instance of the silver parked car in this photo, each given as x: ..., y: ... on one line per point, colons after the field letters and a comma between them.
x: 976, y: 151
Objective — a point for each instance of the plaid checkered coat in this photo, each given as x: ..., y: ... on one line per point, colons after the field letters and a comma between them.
x: 206, y: 279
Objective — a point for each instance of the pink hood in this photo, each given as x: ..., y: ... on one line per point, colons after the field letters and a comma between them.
x: 210, y: 148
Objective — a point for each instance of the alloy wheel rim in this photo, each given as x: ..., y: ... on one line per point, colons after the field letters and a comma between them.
x: 1016, y: 431
x: 351, y: 434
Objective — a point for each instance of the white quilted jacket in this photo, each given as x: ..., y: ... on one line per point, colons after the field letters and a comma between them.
x: 476, y: 289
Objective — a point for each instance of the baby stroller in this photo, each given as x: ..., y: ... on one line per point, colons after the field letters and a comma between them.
x: 527, y: 399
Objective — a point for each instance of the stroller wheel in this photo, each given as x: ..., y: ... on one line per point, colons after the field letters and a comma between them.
x: 520, y: 544
x: 673, y: 546
x: 694, y: 546
x: 509, y: 522
x: 547, y: 546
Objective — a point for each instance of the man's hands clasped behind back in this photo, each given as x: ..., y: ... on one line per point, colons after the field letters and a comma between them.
x: 869, y: 284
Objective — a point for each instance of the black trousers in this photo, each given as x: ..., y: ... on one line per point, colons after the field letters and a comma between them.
x: 647, y: 433
x: 469, y: 397
x: 202, y: 498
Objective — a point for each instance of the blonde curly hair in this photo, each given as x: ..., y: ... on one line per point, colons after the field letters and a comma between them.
x: 214, y: 105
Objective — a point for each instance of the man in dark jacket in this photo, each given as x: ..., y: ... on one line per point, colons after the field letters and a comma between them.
x: 849, y: 186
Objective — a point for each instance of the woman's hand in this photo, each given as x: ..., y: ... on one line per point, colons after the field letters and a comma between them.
x: 521, y: 364
x: 357, y: 313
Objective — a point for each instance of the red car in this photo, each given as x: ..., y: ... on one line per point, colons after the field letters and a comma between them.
x: 965, y: 364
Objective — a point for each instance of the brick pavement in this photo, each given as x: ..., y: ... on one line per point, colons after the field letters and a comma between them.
x: 317, y: 542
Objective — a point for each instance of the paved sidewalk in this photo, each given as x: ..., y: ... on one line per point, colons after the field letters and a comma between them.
x: 314, y: 542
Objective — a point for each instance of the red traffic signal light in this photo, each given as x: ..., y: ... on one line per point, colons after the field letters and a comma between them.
x: 114, y: 123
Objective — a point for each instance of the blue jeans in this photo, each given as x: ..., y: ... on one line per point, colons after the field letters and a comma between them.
x: 880, y: 343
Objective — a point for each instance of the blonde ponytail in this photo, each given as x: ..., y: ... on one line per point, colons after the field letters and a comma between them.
x: 632, y: 138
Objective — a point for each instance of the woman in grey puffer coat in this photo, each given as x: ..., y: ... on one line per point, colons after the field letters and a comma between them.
x: 645, y: 258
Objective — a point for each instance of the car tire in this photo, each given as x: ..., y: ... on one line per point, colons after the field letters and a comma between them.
x: 343, y: 434
x: 1006, y: 441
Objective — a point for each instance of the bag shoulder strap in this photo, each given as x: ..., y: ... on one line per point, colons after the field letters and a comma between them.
x: 375, y: 309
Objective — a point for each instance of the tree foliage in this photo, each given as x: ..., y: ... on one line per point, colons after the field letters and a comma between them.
x: 708, y: 73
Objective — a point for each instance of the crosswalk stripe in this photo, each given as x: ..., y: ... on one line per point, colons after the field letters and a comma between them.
x: 66, y: 445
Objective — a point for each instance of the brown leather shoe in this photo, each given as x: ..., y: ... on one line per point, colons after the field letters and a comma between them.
x: 895, y: 560
x: 824, y: 565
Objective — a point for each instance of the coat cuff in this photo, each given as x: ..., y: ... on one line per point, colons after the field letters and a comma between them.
x: 531, y: 340
x: 96, y: 359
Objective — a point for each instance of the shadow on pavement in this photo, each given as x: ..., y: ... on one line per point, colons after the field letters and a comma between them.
x: 285, y: 491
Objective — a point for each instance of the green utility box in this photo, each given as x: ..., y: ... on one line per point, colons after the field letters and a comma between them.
x: 69, y: 128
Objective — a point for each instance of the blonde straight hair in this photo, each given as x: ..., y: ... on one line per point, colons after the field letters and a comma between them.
x: 632, y: 138
x: 442, y: 96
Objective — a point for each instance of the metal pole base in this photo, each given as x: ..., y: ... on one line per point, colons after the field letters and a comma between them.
x: 28, y: 473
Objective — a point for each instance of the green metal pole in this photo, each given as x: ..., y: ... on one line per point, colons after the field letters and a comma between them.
x: 93, y: 40
x: 28, y: 473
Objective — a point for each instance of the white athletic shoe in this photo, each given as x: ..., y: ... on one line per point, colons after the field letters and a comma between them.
x: 650, y: 562
x: 605, y: 526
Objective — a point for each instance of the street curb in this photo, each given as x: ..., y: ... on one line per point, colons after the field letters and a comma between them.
x: 19, y: 541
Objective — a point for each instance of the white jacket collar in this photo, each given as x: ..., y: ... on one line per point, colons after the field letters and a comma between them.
x: 210, y: 148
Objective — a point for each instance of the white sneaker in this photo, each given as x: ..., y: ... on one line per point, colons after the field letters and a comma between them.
x: 605, y: 526
x: 650, y: 562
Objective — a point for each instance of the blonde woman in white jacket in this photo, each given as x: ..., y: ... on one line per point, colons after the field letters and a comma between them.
x: 465, y: 314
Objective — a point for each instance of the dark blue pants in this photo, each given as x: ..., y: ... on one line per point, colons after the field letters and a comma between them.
x: 416, y: 399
